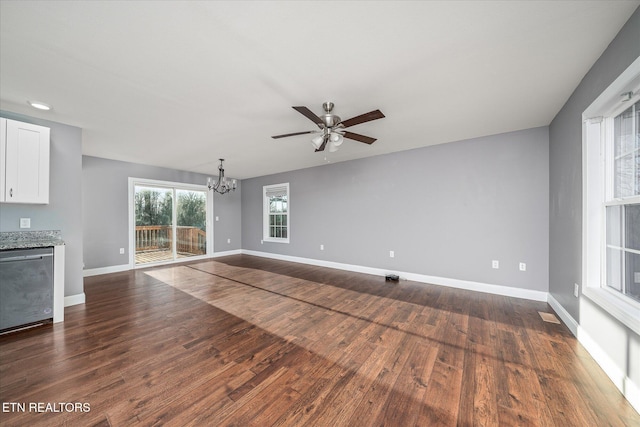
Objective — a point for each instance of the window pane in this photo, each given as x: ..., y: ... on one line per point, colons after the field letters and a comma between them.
x: 632, y: 226
x: 272, y: 220
x: 191, y: 233
x: 284, y: 220
x: 632, y: 265
x: 277, y: 204
x: 626, y: 149
x: 614, y: 268
x: 623, y: 133
x: 627, y: 177
x: 272, y: 232
x: 154, y: 219
x: 614, y: 225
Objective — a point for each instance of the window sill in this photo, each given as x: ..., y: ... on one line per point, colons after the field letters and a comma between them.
x: 272, y: 240
x: 627, y: 312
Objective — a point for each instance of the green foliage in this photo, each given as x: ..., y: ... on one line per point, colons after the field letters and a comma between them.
x: 153, y: 207
x: 192, y: 209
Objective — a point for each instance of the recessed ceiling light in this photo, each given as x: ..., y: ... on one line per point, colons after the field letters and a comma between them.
x: 39, y: 105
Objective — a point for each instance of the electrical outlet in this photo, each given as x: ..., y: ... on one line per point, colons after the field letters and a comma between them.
x: 495, y: 264
x: 25, y: 222
x: 121, y: 251
x: 228, y: 240
x: 392, y: 254
x: 523, y: 266
x: 576, y: 290
x: 217, y: 218
x: 322, y: 247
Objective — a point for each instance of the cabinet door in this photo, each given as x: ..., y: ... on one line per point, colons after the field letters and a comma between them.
x: 3, y: 157
x: 26, y: 163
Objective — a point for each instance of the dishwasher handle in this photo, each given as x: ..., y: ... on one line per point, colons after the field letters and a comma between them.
x: 24, y: 257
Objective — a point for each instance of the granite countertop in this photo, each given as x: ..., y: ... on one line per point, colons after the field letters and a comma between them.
x: 29, y: 239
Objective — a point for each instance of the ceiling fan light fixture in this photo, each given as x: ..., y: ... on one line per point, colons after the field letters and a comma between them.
x: 337, y: 139
x: 317, y: 141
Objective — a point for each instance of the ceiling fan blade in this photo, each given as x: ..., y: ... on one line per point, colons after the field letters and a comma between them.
x: 292, y: 134
x: 358, y: 137
x: 309, y: 115
x: 324, y: 143
x: 366, y: 117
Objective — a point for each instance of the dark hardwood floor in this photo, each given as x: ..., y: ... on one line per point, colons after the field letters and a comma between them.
x: 243, y: 341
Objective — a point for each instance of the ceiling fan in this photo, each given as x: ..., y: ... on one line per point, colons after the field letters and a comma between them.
x: 331, y: 127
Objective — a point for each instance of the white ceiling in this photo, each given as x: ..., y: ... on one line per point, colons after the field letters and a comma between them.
x: 182, y: 83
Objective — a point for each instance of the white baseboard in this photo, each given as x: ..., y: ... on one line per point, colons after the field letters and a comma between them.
x: 125, y: 267
x: 564, y: 315
x: 105, y: 270
x: 478, y: 287
x: 422, y: 278
x: 226, y: 253
x: 74, y: 300
x: 630, y: 391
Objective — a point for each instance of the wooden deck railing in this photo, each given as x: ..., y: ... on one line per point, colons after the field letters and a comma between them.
x: 190, y: 240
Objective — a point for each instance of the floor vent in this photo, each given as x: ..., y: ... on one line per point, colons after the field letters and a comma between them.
x: 549, y: 317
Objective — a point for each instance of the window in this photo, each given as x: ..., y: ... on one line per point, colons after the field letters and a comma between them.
x: 611, y: 199
x: 276, y: 218
x: 622, y: 201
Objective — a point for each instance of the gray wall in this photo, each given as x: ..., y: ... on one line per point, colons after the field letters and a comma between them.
x: 565, y: 165
x: 64, y: 209
x: 446, y: 210
x: 105, y: 209
x: 621, y: 345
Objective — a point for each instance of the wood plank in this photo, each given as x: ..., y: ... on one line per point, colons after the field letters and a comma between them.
x: 243, y: 340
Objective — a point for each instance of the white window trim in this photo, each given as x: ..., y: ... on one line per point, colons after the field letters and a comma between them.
x: 623, y: 308
x: 265, y: 215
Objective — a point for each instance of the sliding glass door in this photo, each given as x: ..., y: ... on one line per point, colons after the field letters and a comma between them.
x: 154, y: 224
x: 191, y: 223
x: 170, y: 222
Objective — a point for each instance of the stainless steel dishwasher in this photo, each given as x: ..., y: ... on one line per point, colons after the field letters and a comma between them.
x: 26, y: 287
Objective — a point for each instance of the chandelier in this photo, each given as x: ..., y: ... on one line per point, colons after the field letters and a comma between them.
x: 221, y: 186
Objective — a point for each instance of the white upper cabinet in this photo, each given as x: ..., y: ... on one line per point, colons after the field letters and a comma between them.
x: 24, y: 166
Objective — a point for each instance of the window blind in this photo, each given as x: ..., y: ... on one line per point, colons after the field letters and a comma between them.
x: 276, y: 191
